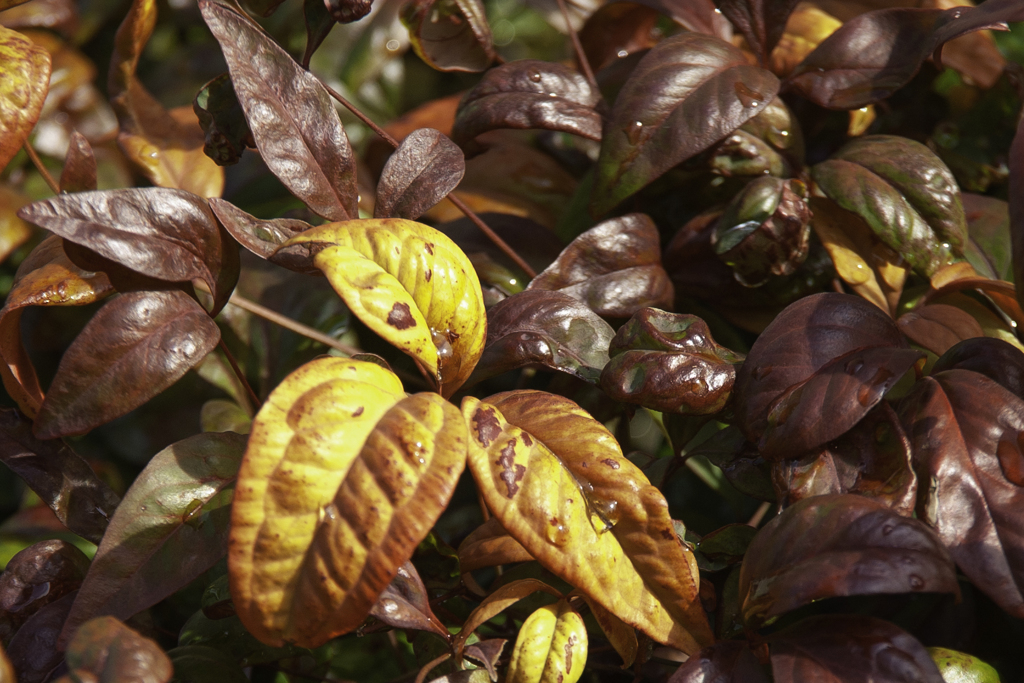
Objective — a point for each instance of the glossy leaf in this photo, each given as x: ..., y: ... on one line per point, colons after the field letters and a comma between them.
x: 529, y: 94
x: 165, y: 145
x: 617, y: 30
x: 450, y: 35
x: 404, y: 604
x: 551, y: 329
x: 27, y: 68
x: 46, y: 278
x: 1001, y: 362
x: 408, y: 283
x: 960, y: 276
x: 220, y: 114
x: 700, y: 16
x: 669, y: 363
x: 33, y: 651
x: 849, y: 649
x: 551, y: 646
x: 136, y: 346
x: 496, y: 603
x: 79, y: 172
x: 966, y: 432
x: 834, y: 545
x: 420, y: 173
x: 687, y: 93
x: 261, y: 237
x: 37, y: 576
x: 558, y: 482
x: 728, y: 661
x: 761, y: 22
x: 490, y: 545
x: 614, y: 267
x: 815, y: 371
x: 59, y: 476
x: 960, y: 666
x: 938, y: 327
x: 330, y: 504
x: 106, y: 651
x: 162, y: 233
x: 170, y: 528
x: 292, y: 119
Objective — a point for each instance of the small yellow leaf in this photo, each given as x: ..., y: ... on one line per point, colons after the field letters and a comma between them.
x: 806, y: 27
x: 409, y: 283
x: 13, y: 231
x: 26, y: 80
x: 343, y: 477
x: 551, y: 647
x: 496, y: 603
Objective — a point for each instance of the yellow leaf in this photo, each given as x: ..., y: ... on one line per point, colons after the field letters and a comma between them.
x: 551, y: 647
x: 621, y: 635
x: 559, y: 484
x: 806, y: 27
x: 410, y: 284
x: 26, y: 80
x: 13, y: 231
x: 6, y: 670
x: 496, y: 603
x: 342, y: 478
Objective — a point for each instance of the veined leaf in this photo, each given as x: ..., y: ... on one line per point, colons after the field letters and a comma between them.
x: 261, y: 237
x: 171, y: 527
x: 419, y: 174
x: 405, y: 604
x: 560, y: 485
x: 26, y: 69
x: 551, y: 647
x: 409, y: 283
x: 343, y: 477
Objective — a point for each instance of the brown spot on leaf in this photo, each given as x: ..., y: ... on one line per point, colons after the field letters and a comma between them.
x: 428, y: 274
x: 400, y: 317
x: 553, y: 521
x: 568, y: 652
x: 611, y: 463
x: 527, y: 441
x: 511, y: 473
x: 358, y: 411
x: 667, y: 535
x: 486, y: 426
x: 430, y: 248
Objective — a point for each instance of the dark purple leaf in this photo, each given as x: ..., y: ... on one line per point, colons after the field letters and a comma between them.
x: 38, y: 575
x: 294, y: 123
x: 835, y: 545
x: 136, y: 346
x: 487, y: 652
x: 729, y: 661
x: 529, y: 94
x: 760, y: 21
x: 60, y: 477
x: 33, y: 651
x: 106, y: 651
x: 319, y: 22
x: 79, y: 172
x: 617, y: 30
x: 547, y: 328
x: 420, y: 173
x: 615, y: 268
x: 1016, y: 195
x: 699, y: 16
x: 815, y: 371
x: 405, y: 604
x: 162, y: 233
x: 223, y: 121
x: 938, y: 327
x: 348, y: 11
x: 686, y: 94
x: 261, y: 237
x: 849, y: 649
x: 450, y: 35
x: 998, y: 360
x: 958, y: 21
x: 171, y: 527
x: 967, y: 433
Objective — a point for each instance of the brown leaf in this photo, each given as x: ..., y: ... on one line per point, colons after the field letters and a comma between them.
x: 938, y: 327
x: 106, y: 651
x: 261, y: 237
x: 617, y: 30
x: 404, y: 604
x: 490, y: 545
x: 420, y: 173
x: 450, y: 35
x: 79, y: 172
x: 998, y: 360
x: 761, y: 22
x: 26, y: 81
x: 37, y: 576
x: 33, y: 651
x: 60, y: 16
x: 136, y: 346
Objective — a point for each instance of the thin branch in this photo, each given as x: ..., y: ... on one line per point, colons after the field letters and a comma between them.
x: 241, y: 378
x: 429, y: 666
x: 581, y: 56
x: 289, y: 324
x: 762, y: 510
x: 41, y: 168
x: 360, y: 115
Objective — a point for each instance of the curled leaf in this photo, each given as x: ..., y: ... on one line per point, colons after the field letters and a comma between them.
x: 261, y: 237
x: 404, y: 604
x: 551, y: 646
x: 36, y: 576
x: 450, y: 35
x: 420, y: 173
x: 223, y: 121
x: 27, y: 79
x: 496, y: 603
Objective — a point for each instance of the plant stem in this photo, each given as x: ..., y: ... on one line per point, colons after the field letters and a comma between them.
x: 41, y: 168
x: 289, y: 324
x: 581, y: 56
x: 459, y: 204
x: 762, y: 510
x: 241, y: 378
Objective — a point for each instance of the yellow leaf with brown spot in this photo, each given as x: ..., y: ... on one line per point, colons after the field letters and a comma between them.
x: 26, y: 80
x: 343, y: 476
x: 496, y: 603
x: 560, y: 485
x: 408, y: 283
x: 551, y: 647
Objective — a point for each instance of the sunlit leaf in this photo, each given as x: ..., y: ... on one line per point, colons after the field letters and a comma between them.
x: 496, y: 603
x: 420, y: 173
x: 219, y: 113
x: 343, y: 477
x: 409, y: 283
x: 938, y: 327
x: 807, y: 26
x: 687, y: 93
x: 294, y: 123
x: 79, y: 172
x: 261, y: 237
x: 728, y: 661
x: 960, y: 666
x: 38, y: 575
x: 13, y: 230
x: 404, y: 604
x: 6, y: 670
x: 106, y: 651
x: 27, y: 79
x: 761, y: 22
x: 450, y: 35
x: 551, y: 646
x: 59, y: 476
x: 33, y: 651
x: 529, y: 94
x: 490, y: 545
x: 617, y: 30
x: 558, y: 482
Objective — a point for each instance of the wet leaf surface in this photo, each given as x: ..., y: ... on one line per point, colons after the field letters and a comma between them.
x: 37, y: 576
x: 552, y: 645
x: 404, y: 604
x: 558, y: 482
x: 261, y: 237
x: 409, y: 283
x: 834, y: 545
x: 171, y: 526
x: 966, y: 432
x: 27, y: 69
x: 728, y: 661
x: 106, y: 651
x: 849, y: 649
x: 292, y: 119
x: 79, y: 172
x: 330, y: 505
x: 529, y: 94
x: 761, y: 22
x: 552, y: 329
x: 614, y: 267
x: 59, y: 476
x: 450, y: 35
x: 420, y: 173
x: 33, y: 651
x: 617, y: 30
x: 687, y: 93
